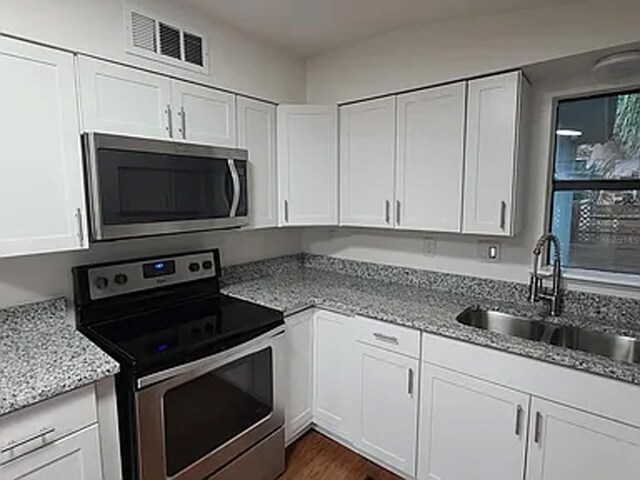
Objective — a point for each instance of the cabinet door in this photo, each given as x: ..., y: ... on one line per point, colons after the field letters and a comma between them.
x: 257, y: 133
x: 387, y: 402
x: 42, y: 205
x: 430, y: 159
x: 332, y: 378
x: 204, y: 115
x: 567, y: 444
x: 367, y: 163
x: 492, y: 145
x: 76, y: 457
x: 308, y: 165
x: 122, y: 100
x: 470, y: 429
x: 299, y: 339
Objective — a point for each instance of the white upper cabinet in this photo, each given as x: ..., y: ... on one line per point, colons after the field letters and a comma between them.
x: 204, y: 115
x: 493, y: 121
x: 569, y: 444
x: 430, y: 146
x: 367, y: 163
x: 470, y: 429
x: 307, y: 165
x: 42, y: 204
x: 257, y: 133
x: 386, y: 385
x: 122, y: 100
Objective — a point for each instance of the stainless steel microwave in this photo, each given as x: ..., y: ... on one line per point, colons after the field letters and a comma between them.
x: 138, y: 187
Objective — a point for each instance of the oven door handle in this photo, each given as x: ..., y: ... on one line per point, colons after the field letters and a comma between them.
x: 183, y: 373
x: 236, y: 187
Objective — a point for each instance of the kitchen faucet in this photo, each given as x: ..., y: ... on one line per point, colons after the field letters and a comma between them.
x: 537, y: 291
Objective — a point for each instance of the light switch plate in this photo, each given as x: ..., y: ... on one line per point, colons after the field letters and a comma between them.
x: 429, y: 247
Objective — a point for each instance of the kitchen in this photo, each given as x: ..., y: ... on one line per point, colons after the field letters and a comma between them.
x: 281, y: 201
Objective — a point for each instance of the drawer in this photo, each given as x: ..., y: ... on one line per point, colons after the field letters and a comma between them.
x: 33, y: 427
x: 386, y: 335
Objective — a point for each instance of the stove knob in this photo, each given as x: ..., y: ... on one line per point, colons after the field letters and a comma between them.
x: 101, y: 283
x: 207, y: 265
x: 194, y: 267
x: 121, y: 279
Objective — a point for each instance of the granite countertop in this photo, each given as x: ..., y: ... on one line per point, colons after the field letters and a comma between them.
x: 42, y: 355
x: 428, y: 310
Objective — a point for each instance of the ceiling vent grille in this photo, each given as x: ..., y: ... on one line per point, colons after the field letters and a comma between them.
x: 153, y: 38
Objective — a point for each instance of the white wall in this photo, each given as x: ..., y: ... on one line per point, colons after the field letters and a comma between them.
x: 441, y: 52
x: 39, y: 277
x: 460, y: 254
x: 97, y: 27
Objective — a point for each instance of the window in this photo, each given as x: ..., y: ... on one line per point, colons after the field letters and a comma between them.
x: 596, y: 182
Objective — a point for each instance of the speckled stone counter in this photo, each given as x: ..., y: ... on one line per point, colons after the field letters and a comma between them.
x: 430, y: 310
x: 42, y: 356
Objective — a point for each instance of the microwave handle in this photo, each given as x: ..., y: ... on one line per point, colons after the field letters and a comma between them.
x: 236, y: 187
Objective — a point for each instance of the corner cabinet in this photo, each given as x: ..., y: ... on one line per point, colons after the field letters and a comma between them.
x: 42, y: 203
x: 257, y: 133
x: 307, y: 165
x: 367, y: 163
x: 492, y: 148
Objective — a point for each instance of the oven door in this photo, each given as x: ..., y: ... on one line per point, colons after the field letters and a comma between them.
x: 195, y: 418
x: 142, y: 187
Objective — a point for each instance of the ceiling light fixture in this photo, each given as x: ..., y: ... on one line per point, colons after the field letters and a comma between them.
x: 618, y: 66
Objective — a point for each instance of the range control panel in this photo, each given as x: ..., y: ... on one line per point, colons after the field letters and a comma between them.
x: 112, y: 280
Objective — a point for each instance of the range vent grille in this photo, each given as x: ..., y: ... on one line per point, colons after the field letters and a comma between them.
x: 158, y: 40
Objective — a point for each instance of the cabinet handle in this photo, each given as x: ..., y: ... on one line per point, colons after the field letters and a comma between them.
x: 503, y: 215
x: 169, y: 127
x: 385, y: 338
x: 286, y: 211
x: 387, y: 211
x: 183, y: 123
x: 80, y: 226
x: 398, y: 210
x: 18, y: 443
x: 410, y: 383
x: 518, y: 420
x: 536, y: 429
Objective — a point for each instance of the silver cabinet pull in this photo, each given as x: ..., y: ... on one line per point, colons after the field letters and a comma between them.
x: 18, y: 443
x: 80, y: 226
x: 518, y: 420
x: 503, y: 215
x: 385, y: 338
x: 169, y: 127
x: 236, y: 187
x: 387, y: 211
x: 183, y: 123
x: 410, y: 383
x: 398, y: 210
x: 537, y: 427
x: 286, y: 211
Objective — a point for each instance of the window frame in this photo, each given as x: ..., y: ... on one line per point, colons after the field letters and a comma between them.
x: 601, y: 276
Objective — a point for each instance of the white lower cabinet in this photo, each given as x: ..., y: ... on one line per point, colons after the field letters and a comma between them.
x: 386, y: 393
x: 76, y: 457
x: 332, y: 392
x: 470, y: 429
x: 567, y: 444
x: 299, y: 341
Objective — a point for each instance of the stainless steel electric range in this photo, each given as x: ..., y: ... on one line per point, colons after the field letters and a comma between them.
x: 200, y: 393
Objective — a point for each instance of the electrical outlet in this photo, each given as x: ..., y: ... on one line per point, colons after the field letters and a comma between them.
x: 429, y: 247
x: 489, y: 251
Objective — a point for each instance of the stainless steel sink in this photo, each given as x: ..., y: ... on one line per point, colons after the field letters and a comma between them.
x: 617, y: 347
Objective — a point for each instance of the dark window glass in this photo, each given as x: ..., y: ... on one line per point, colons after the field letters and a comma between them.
x: 203, y: 414
x: 596, y: 200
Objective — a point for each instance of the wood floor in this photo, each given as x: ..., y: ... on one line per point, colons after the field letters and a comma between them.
x: 315, y: 457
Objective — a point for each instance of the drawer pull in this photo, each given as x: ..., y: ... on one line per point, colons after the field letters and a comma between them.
x: 386, y: 338
x: 518, y: 420
x: 18, y: 443
x: 410, y: 383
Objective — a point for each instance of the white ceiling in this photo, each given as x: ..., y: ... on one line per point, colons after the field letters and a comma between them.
x: 309, y: 27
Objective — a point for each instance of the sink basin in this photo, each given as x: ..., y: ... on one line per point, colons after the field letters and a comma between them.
x: 503, y: 323
x: 616, y: 347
